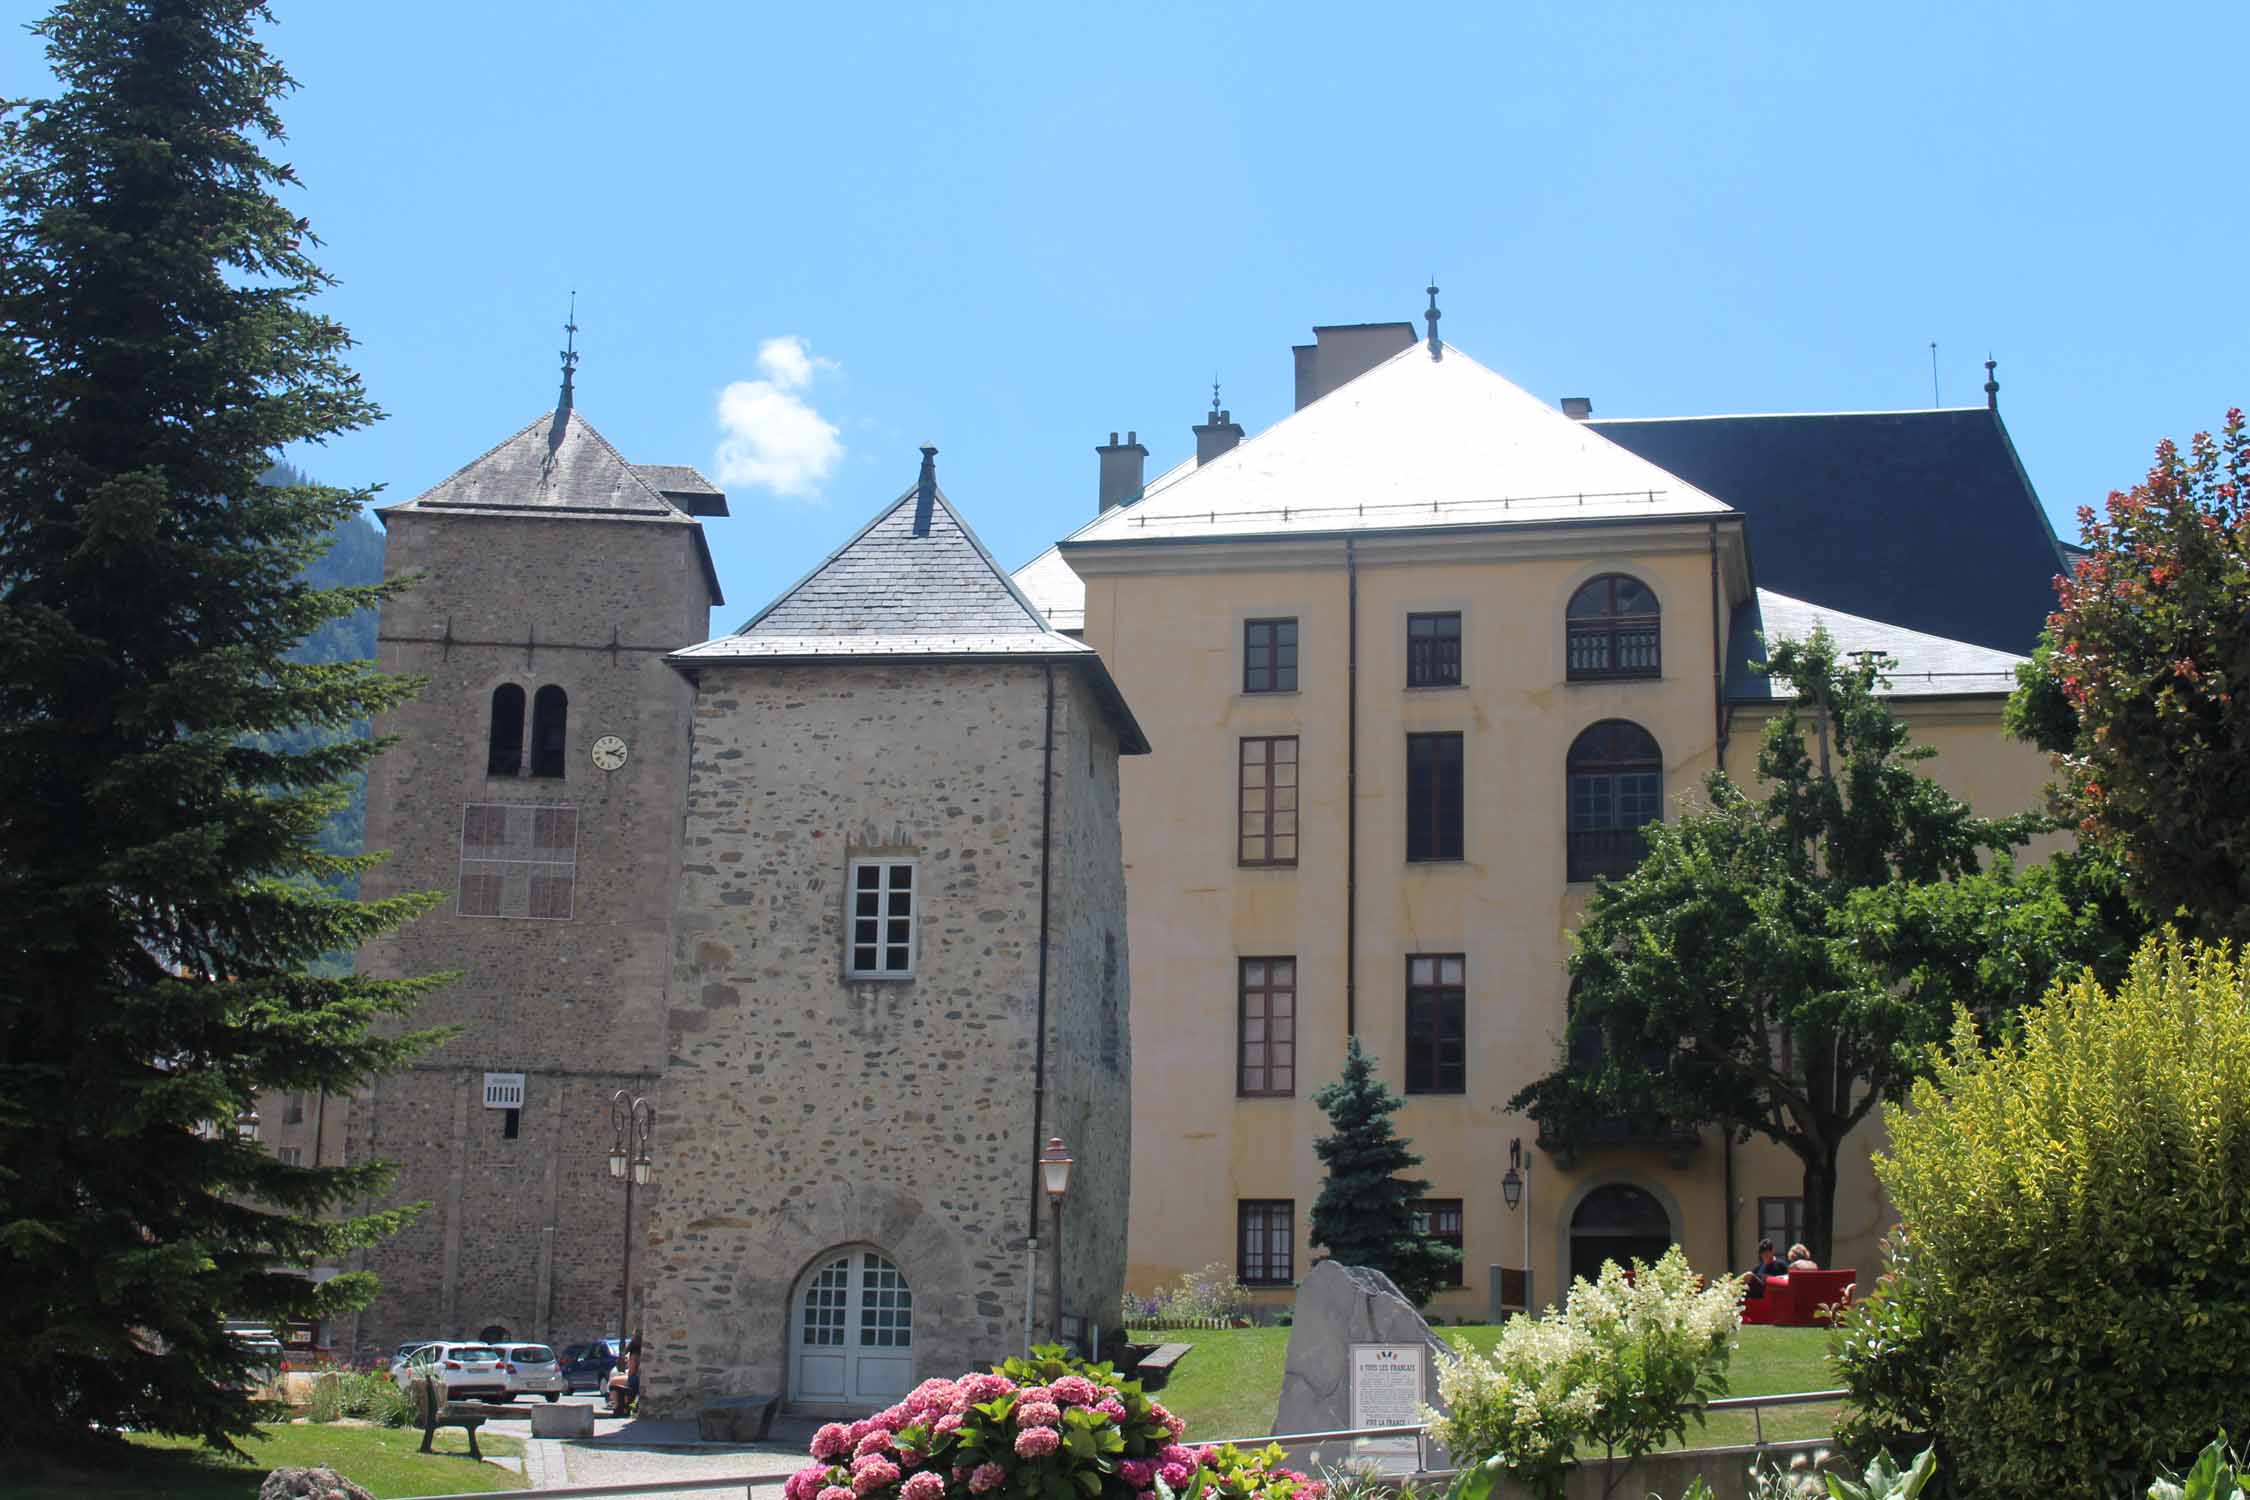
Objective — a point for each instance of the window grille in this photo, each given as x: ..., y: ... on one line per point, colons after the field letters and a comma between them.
x: 1433, y: 650
x: 519, y: 859
x: 881, y: 940
x: 1615, y: 630
x: 1266, y: 1040
x: 1269, y: 656
x: 1266, y: 829
x: 1267, y: 1240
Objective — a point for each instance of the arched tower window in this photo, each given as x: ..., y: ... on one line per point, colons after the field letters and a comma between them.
x: 550, y: 730
x: 1614, y: 630
x: 504, y: 756
x: 1616, y: 785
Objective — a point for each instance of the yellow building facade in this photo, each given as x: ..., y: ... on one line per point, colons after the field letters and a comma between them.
x: 1413, y: 662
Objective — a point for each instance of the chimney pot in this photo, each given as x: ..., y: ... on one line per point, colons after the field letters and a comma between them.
x: 1578, y: 408
x: 1122, y: 468
x: 1216, y: 436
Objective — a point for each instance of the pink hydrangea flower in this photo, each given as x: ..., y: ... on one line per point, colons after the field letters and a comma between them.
x: 1075, y: 1390
x: 909, y: 1458
x: 877, y: 1441
x: 805, y: 1483
x: 1146, y: 1495
x: 1036, y: 1393
x: 1137, y: 1472
x: 858, y: 1430
x: 931, y: 1395
x: 1037, y: 1414
x: 872, y: 1473
x: 947, y: 1424
x: 982, y: 1388
x: 924, y: 1486
x: 986, y: 1477
x: 835, y: 1492
x: 1037, y: 1442
x: 1176, y: 1475
x: 889, y: 1419
x: 1112, y: 1408
x: 832, y: 1441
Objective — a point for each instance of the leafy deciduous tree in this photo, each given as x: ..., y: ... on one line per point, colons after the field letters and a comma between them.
x: 2141, y: 685
x: 161, y: 890
x: 1365, y: 1213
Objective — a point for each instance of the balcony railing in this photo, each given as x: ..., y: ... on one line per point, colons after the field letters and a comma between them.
x: 1613, y: 852
x: 1608, y: 650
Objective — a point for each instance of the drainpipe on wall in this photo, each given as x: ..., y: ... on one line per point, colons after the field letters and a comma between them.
x: 1351, y: 789
x: 1718, y: 689
x: 1039, y: 1063
x: 1727, y: 1207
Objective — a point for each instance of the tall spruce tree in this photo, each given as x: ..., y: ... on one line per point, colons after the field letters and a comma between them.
x: 160, y: 883
x: 1365, y: 1213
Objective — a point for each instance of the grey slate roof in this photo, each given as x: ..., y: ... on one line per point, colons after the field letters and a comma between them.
x: 558, y: 465
x: 685, y: 486
x: 890, y: 595
x: 1927, y: 666
x: 1922, y: 518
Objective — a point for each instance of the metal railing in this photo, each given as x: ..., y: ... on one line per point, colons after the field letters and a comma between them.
x: 749, y: 1483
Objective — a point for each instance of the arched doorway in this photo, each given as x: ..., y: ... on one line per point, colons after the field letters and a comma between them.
x: 1619, y: 1222
x: 851, y: 1328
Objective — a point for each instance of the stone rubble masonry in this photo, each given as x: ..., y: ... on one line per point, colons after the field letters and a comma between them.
x: 804, y: 1114
x: 527, y: 1233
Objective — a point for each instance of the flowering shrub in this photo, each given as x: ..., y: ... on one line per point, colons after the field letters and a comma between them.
x: 1209, y: 1295
x: 1621, y: 1369
x: 1046, y: 1428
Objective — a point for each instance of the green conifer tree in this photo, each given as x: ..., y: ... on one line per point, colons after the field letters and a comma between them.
x: 1365, y: 1213
x: 161, y: 895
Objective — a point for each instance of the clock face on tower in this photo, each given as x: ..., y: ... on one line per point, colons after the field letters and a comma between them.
x: 609, y: 752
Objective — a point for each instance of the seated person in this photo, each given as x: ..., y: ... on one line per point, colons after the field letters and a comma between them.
x: 1800, y: 1259
x: 1770, y: 1264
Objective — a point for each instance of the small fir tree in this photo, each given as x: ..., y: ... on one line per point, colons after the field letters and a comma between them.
x: 1365, y: 1213
x: 162, y: 896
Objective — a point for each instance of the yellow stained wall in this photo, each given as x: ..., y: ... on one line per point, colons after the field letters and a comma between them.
x: 1174, y: 642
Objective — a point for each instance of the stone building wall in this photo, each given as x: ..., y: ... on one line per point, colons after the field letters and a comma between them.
x: 806, y: 1113
x: 527, y: 1230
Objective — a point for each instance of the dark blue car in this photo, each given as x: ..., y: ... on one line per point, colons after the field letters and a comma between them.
x: 586, y: 1366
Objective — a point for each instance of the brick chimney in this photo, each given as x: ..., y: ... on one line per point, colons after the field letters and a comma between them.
x: 1123, y: 467
x: 1345, y: 351
x: 1578, y: 408
x: 1216, y: 436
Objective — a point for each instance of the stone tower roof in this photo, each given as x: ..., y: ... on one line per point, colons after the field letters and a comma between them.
x: 914, y: 584
x: 559, y: 465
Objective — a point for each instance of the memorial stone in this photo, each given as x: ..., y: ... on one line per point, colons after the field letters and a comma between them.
x: 1352, y: 1341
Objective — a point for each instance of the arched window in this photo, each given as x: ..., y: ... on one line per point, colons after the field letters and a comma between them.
x: 505, y: 755
x: 1616, y: 785
x: 550, y: 726
x: 1614, y: 631
x: 1619, y: 1222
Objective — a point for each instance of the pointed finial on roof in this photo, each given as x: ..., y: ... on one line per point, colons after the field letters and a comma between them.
x: 1214, y: 395
x: 1431, y: 318
x: 570, y: 351
x: 1991, y: 384
x: 925, y: 491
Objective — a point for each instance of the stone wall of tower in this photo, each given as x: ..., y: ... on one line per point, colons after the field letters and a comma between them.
x: 524, y: 1228
x: 806, y: 1113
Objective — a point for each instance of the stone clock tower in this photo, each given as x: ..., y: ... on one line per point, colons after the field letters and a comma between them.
x: 537, y: 783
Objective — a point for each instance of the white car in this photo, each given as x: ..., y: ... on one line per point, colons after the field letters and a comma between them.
x: 532, y: 1370
x: 468, y: 1370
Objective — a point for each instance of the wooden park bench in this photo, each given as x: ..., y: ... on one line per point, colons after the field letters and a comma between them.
x: 1155, y: 1368
x: 434, y: 1411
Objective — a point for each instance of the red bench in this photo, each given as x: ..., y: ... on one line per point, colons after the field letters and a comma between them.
x: 1795, y: 1301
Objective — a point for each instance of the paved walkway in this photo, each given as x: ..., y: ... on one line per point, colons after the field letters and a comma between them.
x: 645, y: 1450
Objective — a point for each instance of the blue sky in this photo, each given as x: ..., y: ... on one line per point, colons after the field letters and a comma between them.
x: 1007, y: 230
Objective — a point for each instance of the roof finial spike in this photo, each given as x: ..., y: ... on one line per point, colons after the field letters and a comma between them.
x: 570, y: 351
x: 1214, y: 396
x: 1991, y: 383
x: 1431, y: 318
x: 925, y: 491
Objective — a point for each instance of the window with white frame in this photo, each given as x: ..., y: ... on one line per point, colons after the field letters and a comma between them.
x: 881, y: 941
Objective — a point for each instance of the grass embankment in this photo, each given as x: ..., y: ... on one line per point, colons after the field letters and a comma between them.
x: 1231, y: 1384
x: 382, y: 1460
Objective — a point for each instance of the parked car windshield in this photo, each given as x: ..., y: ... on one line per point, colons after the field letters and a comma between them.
x: 474, y: 1351
x: 531, y: 1354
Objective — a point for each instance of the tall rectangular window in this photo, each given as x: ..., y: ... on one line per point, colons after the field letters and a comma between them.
x: 1781, y: 1220
x: 1437, y: 1024
x: 518, y: 859
x: 1433, y: 650
x: 1269, y: 656
x: 881, y: 945
x: 1433, y: 796
x: 1266, y: 829
x: 1266, y: 1031
x: 1440, y: 1219
x: 1266, y: 1234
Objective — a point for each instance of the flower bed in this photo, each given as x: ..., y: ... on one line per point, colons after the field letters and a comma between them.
x: 1046, y: 1428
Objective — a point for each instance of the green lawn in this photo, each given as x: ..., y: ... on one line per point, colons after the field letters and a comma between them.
x: 1229, y: 1385
x: 382, y: 1459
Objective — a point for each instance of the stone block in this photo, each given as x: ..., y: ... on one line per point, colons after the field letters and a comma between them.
x: 559, y: 1421
x: 736, y: 1419
x: 1337, y: 1307
x: 309, y: 1484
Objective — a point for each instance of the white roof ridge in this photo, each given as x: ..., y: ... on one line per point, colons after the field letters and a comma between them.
x: 1740, y: 416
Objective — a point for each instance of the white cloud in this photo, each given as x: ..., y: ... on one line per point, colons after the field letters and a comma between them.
x: 770, y: 437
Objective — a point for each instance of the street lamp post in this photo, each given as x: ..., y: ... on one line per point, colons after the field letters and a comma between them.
x: 1515, y: 1186
x: 1054, y: 1174
x: 630, y: 1123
